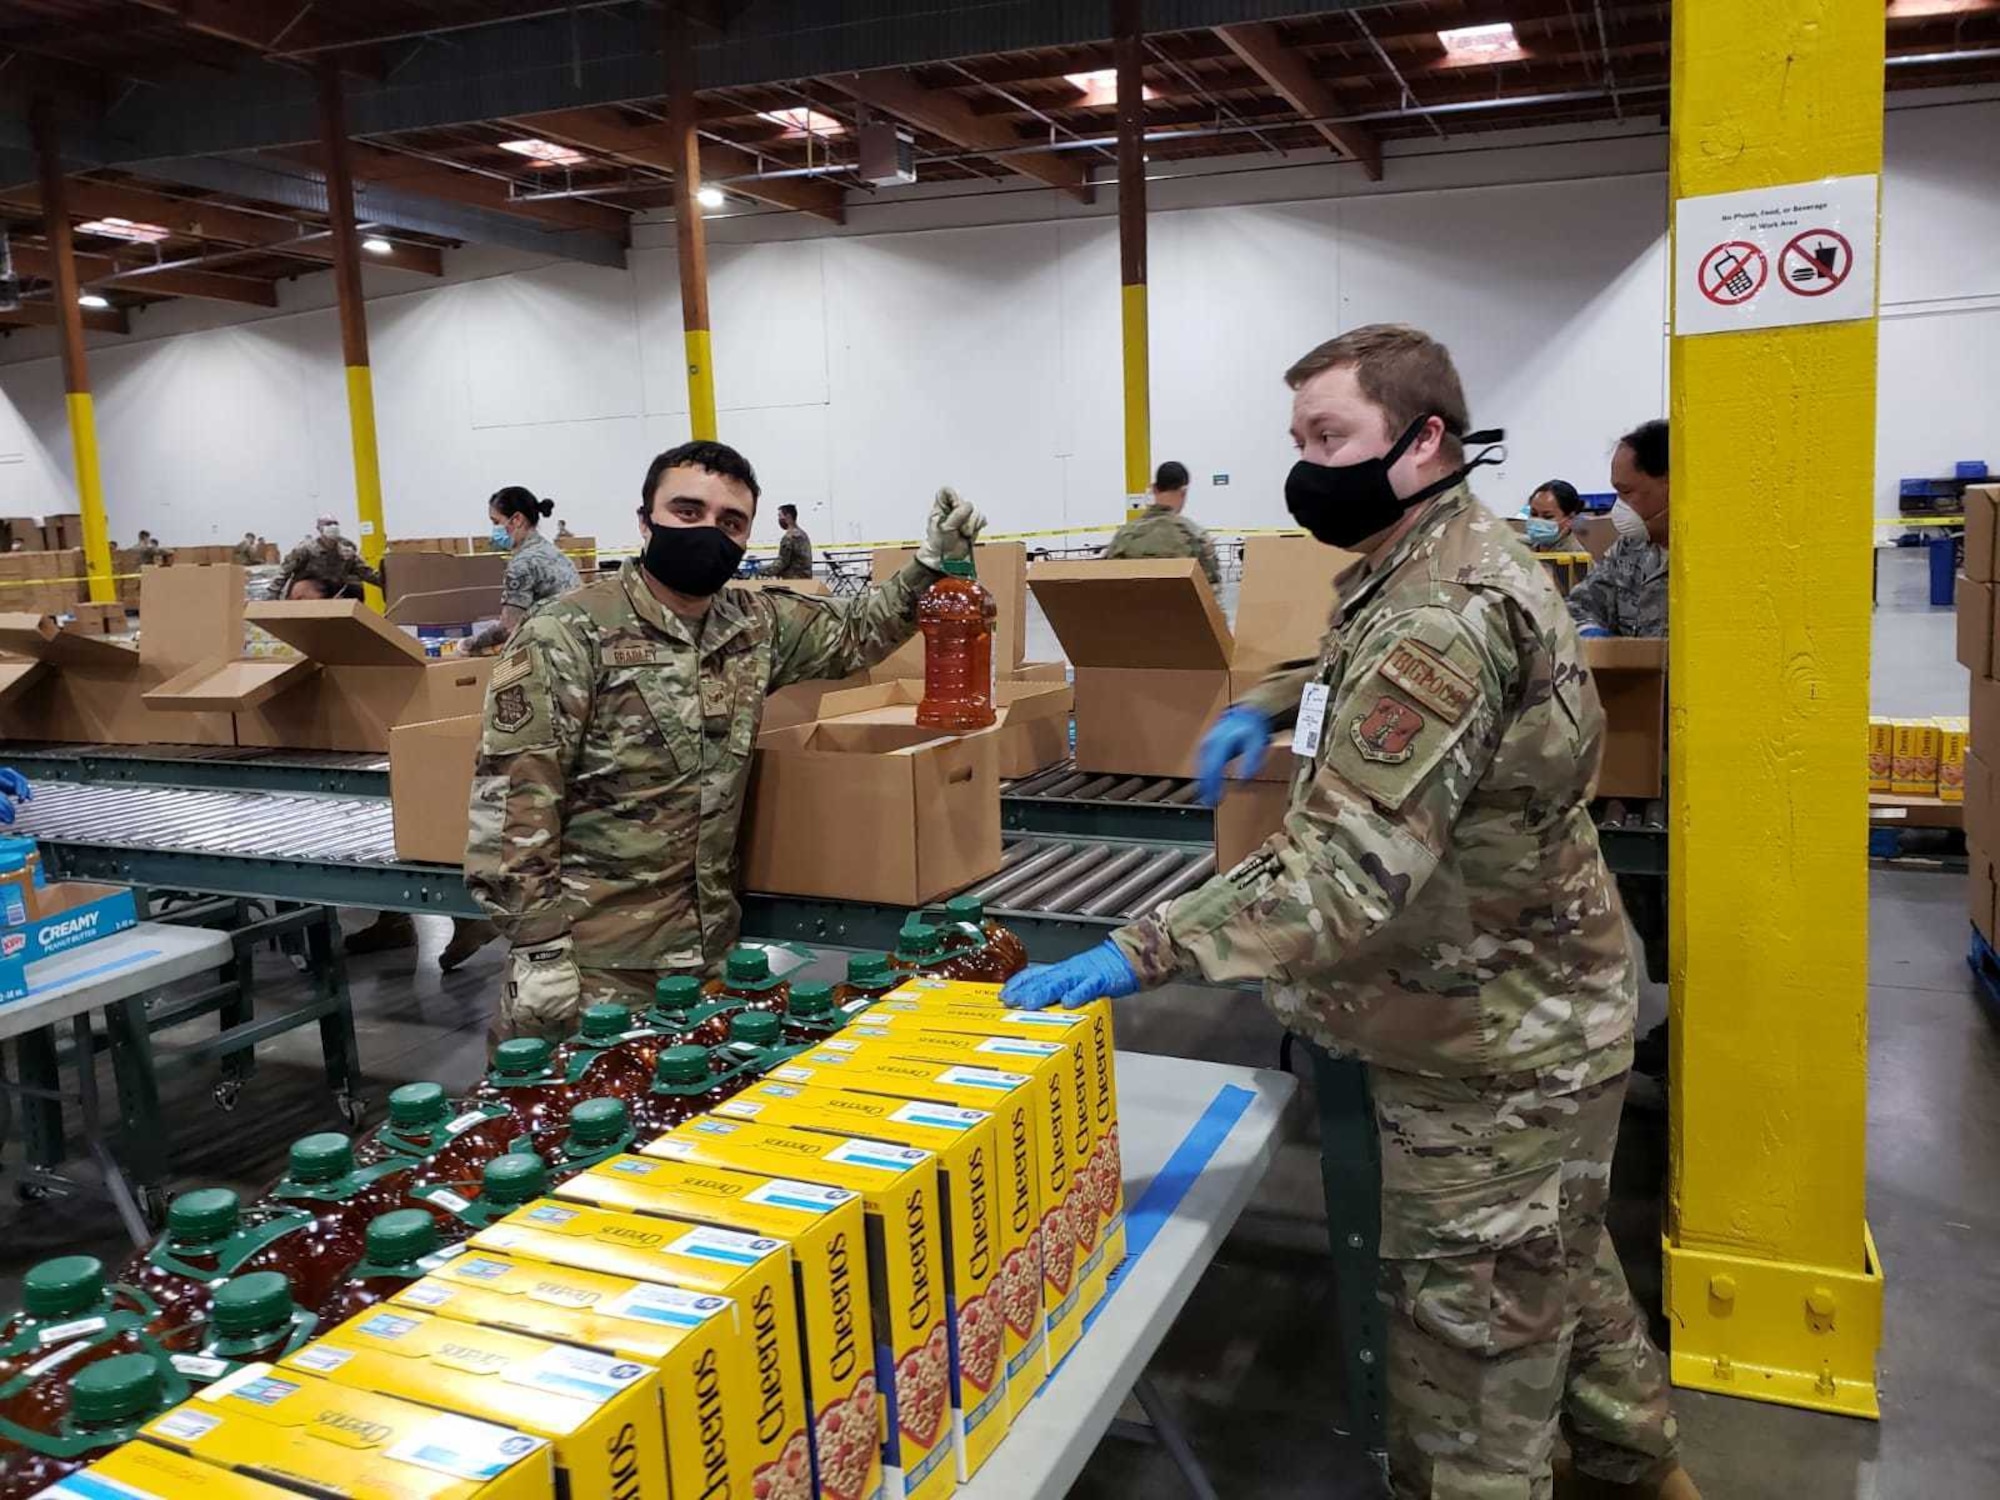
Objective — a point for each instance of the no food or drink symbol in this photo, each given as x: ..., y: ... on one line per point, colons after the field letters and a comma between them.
x: 1814, y: 263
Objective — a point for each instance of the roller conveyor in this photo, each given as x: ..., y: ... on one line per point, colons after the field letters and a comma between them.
x: 226, y: 767
x: 1066, y: 802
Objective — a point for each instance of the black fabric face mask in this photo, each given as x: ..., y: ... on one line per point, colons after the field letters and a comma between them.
x: 692, y: 560
x: 1342, y: 504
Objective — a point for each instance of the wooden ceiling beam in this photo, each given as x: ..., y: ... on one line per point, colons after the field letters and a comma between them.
x: 262, y: 25
x: 211, y: 286
x: 455, y: 185
x: 43, y: 315
x: 943, y: 113
x: 1257, y: 43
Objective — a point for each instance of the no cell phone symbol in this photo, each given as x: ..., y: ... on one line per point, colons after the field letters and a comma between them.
x: 1732, y: 273
x: 1814, y: 263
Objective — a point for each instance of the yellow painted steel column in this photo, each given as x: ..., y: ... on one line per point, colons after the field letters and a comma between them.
x: 1129, y: 53
x: 1772, y: 1284
x: 75, y: 359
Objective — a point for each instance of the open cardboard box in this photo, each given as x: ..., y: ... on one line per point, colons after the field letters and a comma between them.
x: 871, y: 812
x: 72, y: 683
x: 439, y: 588
x: 1630, y: 673
x: 1003, y: 570
x: 1284, y: 606
x: 360, y: 677
x: 1031, y: 732
x: 430, y: 787
x: 62, y: 915
x: 1254, y: 808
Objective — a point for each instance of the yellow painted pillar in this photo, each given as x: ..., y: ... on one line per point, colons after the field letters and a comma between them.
x: 1129, y: 53
x: 1772, y: 1286
x: 690, y: 232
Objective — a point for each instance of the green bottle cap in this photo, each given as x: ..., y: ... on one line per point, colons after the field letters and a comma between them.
x: 204, y: 1216
x: 62, y: 1287
x: 811, y: 1000
x: 517, y: 1177
x: 917, y: 941
x: 966, y: 909
x: 681, y: 1065
x: 417, y: 1105
x: 321, y: 1158
x: 597, y: 1123
x: 115, y: 1390
x: 523, y: 1057
x: 677, y: 992
x: 958, y: 567
x: 758, y: 1028
x: 252, y: 1304
x: 605, y: 1023
x: 747, y: 966
x: 868, y: 969
x: 401, y: 1236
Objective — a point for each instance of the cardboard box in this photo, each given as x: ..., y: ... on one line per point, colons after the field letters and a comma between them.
x: 694, y: 1340
x: 62, y: 915
x: 1979, y: 798
x: 1285, y: 605
x: 1985, y: 695
x: 1254, y: 808
x: 407, y: 576
x: 1982, y: 534
x: 1881, y: 753
x: 1914, y: 770
x: 1982, y: 892
x: 1952, y: 736
x: 1003, y: 570
x: 601, y: 1414
x: 143, y: 1471
x: 871, y: 812
x: 430, y: 787
x: 1038, y: 671
x: 1630, y: 674
x: 1975, y: 626
x: 1032, y: 731
x: 753, y: 1271
x: 306, y: 1434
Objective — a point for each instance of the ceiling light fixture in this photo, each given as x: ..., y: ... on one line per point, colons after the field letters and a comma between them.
x: 804, y: 121
x: 1100, y: 87
x: 1908, y: 10
x: 376, y: 245
x: 1467, y: 45
x: 92, y: 300
x: 710, y: 197
x: 125, y: 229
x: 549, y: 153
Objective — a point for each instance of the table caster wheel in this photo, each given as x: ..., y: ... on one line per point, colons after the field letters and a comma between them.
x: 353, y: 1109
x: 153, y: 1206
x: 227, y: 1093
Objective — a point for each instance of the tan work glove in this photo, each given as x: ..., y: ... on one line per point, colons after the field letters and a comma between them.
x: 544, y: 989
x: 953, y: 527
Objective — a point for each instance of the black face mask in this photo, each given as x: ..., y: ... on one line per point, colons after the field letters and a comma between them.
x: 1342, y: 504
x: 692, y: 560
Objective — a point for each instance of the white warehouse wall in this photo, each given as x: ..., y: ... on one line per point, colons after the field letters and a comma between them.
x: 945, y: 337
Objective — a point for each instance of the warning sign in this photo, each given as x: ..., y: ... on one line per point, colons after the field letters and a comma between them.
x: 1800, y: 253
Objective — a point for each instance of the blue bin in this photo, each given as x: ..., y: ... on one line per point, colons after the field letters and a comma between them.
x: 1944, y: 566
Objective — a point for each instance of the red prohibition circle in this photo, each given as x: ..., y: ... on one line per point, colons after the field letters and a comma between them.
x: 1823, y: 279
x: 1723, y: 284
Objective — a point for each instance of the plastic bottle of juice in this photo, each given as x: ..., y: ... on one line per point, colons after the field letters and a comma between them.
x: 69, y: 1318
x: 523, y: 1079
x: 446, y: 1145
x: 919, y: 950
x: 209, y: 1238
x: 684, y: 1085
x: 505, y: 1183
x: 813, y: 1016
x: 252, y: 1320
x: 343, y: 1198
x: 683, y: 1017
x: 956, y: 615
x: 598, y: 1128
x: 403, y: 1246
x: 869, y: 978
x: 756, y: 1045
x: 104, y: 1404
x: 977, y: 948
x: 602, y: 1059
x: 748, y: 984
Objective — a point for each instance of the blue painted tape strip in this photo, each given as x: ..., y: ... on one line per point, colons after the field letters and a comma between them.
x: 114, y: 966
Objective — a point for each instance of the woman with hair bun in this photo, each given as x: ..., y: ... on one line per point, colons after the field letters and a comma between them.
x: 536, y: 567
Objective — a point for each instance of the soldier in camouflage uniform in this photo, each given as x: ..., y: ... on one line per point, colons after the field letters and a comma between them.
x: 795, y: 548
x: 619, y: 728
x: 1161, y: 530
x: 1626, y: 593
x: 1436, y: 905
x: 536, y: 568
x: 328, y: 558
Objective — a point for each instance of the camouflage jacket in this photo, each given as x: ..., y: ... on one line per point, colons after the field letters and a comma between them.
x: 616, y: 752
x: 335, y: 566
x: 1626, y: 593
x: 795, y: 555
x: 536, y: 570
x: 1436, y: 901
x: 1161, y: 532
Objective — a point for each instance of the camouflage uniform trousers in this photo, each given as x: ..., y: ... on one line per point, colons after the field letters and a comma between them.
x: 631, y: 988
x: 1508, y: 1313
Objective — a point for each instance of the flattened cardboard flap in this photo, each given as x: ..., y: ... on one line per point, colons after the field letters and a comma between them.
x: 39, y: 638
x: 1139, y: 613
x: 189, y: 615
x: 338, y: 632
x: 1286, y: 600
x: 16, y: 677
x: 229, y: 686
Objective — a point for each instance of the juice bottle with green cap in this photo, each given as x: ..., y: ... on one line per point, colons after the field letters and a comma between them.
x: 505, y: 1183
x: 676, y: 999
x: 403, y: 1246
x: 956, y: 615
x: 598, y: 1128
x: 747, y: 982
x: 756, y: 1045
x: 210, y: 1236
x: 869, y: 978
x: 69, y: 1318
x: 919, y: 950
x: 976, y: 948
x: 324, y: 1181
x: 447, y: 1143
x: 252, y: 1320
x: 684, y: 1085
x: 812, y: 1017
x: 523, y: 1078
x: 604, y: 1058
x: 104, y: 1406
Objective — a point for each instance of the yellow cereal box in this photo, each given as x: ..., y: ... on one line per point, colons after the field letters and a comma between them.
x: 1914, y: 770
x: 140, y: 1471
x: 1952, y: 736
x: 599, y: 1412
x: 990, y: 1196
x: 694, y: 1340
x: 825, y: 1229
x: 303, y: 1433
x: 754, y: 1271
x: 1881, y: 753
x: 903, y: 1199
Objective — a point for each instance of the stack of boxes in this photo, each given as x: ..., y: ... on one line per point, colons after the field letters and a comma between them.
x: 1973, y: 783
x: 1923, y: 758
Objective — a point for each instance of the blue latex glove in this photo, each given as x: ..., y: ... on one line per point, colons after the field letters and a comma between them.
x: 13, y: 787
x: 1101, y: 973
x: 1241, y: 733
x: 1593, y: 632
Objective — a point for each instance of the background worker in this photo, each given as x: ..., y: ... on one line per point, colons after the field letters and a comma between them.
x: 151, y: 553
x: 795, y: 548
x: 1626, y: 593
x: 247, y: 550
x: 327, y: 556
x: 619, y: 727
x: 1436, y: 905
x: 1552, y: 513
x: 1162, y: 530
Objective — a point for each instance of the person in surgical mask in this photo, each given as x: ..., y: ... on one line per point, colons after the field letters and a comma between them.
x: 536, y: 567
x: 1626, y: 593
x: 1552, y: 510
x: 1436, y: 906
x: 618, y: 732
x: 327, y: 557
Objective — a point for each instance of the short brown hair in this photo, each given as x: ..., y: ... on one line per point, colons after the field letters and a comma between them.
x: 1401, y: 369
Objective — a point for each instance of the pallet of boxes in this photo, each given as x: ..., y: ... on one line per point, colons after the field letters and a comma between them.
x: 1972, y: 782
